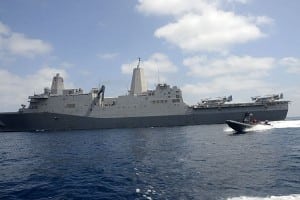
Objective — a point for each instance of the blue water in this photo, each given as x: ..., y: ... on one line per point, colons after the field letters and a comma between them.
x: 192, y: 162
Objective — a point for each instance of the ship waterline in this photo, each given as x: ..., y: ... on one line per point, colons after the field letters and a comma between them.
x: 71, y: 109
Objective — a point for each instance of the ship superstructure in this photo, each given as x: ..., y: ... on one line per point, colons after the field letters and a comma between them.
x: 67, y: 109
x: 164, y: 100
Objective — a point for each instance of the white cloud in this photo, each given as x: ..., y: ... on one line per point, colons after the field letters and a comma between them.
x: 202, y: 25
x: 261, y: 20
x: 212, y: 31
x: 13, y: 43
x: 4, y: 30
x: 245, y: 66
x: 182, y: 7
x: 226, y: 83
x: 172, y: 7
x: 157, y: 65
x: 15, y: 89
x: 292, y: 64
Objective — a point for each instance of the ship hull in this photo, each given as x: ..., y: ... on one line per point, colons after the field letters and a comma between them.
x: 44, y: 121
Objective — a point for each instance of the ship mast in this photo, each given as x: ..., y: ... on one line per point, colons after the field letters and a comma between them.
x: 138, y: 82
x: 138, y: 65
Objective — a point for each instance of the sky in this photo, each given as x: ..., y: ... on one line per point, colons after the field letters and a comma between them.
x: 208, y: 48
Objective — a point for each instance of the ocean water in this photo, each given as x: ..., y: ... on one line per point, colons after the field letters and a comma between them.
x: 191, y: 162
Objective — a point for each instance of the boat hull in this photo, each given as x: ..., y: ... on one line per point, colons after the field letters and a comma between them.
x: 44, y: 121
x: 238, y: 126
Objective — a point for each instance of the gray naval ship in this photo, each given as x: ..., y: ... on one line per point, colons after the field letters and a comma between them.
x: 72, y: 109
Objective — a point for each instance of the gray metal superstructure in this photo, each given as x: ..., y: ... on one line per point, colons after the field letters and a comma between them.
x: 72, y: 109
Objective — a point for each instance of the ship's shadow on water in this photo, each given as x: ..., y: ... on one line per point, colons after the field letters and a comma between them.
x: 189, y: 162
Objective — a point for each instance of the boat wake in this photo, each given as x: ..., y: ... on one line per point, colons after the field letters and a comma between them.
x: 289, y: 197
x: 274, y: 125
x: 286, y: 124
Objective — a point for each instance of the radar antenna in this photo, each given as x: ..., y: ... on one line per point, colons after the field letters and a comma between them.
x: 158, y: 77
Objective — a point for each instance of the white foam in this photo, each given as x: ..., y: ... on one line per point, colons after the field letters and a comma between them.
x: 255, y: 128
x: 227, y: 129
x: 289, y: 197
x: 147, y: 197
x: 260, y: 127
x: 286, y: 124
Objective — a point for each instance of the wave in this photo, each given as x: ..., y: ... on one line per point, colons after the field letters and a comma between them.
x: 286, y: 124
x: 289, y: 197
